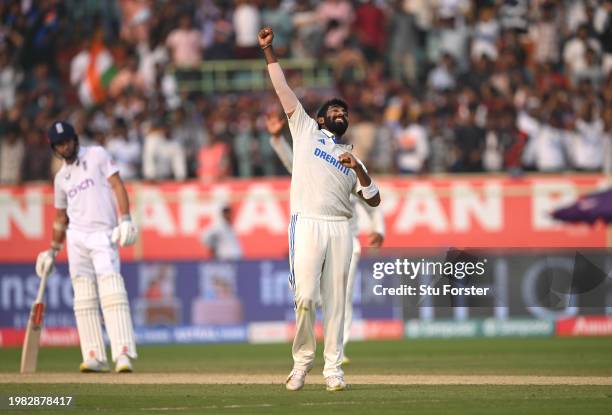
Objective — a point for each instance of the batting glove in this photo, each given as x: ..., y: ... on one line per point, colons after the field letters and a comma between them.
x: 45, y: 262
x: 126, y: 233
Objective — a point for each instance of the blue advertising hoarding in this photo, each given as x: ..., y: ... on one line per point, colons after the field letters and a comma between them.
x: 162, y: 294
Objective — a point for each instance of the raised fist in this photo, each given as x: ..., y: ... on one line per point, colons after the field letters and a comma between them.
x: 347, y: 160
x: 265, y: 37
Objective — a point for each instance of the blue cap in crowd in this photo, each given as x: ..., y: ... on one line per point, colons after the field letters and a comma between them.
x: 60, y: 131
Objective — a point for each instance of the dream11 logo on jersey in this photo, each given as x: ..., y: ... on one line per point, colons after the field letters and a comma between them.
x: 84, y: 185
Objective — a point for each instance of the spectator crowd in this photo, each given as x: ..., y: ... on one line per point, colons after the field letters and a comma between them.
x: 434, y: 86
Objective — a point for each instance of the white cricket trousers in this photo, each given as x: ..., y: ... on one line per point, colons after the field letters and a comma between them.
x: 348, y: 308
x: 320, y: 250
x: 93, y: 261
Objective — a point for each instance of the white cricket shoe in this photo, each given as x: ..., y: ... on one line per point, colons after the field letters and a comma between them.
x: 335, y: 383
x: 295, y: 380
x: 123, y: 364
x: 94, y: 366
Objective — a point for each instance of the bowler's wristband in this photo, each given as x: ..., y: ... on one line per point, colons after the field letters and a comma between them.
x: 370, y: 191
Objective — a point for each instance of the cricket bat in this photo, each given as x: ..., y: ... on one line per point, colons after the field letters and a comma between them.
x: 31, y: 343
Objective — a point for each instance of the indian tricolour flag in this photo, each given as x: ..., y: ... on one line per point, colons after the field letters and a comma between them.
x: 100, y: 72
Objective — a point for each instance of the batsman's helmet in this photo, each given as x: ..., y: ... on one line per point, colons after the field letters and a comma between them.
x: 59, y: 132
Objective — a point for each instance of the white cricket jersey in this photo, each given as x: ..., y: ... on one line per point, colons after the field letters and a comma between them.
x: 82, y: 188
x: 377, y: 221
x: 320, y: 185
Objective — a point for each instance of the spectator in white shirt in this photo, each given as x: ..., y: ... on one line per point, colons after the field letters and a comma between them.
x: 527, y: 120
x: 150, y: 55
x: 451, y: 35
x: 247, y: 22
x: 587, y: 143
x: 574, y: 52
x: 163, y: 158
x: 544, y: 34
x: 125, y: 152
x: 221, y: 238
x: 10, y: 78
x: 185, y: 44
x: 592, y: 71
x: 412, y: 143
x: 442, y: 78
x: 546, y: 150
x: 514, y: 15
x: 486, y: 33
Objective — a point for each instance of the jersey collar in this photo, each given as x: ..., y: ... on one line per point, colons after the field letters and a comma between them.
x: 329, y: 135
x: 347, y: 147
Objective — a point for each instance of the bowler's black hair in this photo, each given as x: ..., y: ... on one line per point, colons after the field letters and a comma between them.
x: 334, y: 102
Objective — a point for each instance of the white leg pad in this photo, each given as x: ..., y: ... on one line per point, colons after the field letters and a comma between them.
x: 89, y: 322
x: 117, y: 318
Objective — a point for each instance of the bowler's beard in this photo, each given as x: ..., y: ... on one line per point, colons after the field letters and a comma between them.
x: 337, y: 128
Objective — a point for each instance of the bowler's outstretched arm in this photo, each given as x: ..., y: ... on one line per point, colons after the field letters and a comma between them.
x: 286, y: 96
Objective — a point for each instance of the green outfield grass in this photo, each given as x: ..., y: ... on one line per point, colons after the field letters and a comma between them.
x: 535, y: 356
x: 513, y: 356
x: 361, y: 399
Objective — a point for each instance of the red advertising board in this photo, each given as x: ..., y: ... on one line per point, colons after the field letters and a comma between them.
x: 585, y: 326
x: 474, y: 211
x: 53, y: 336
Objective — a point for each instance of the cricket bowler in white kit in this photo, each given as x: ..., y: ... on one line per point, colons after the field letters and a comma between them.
x: 88, y: 192
x: 324, y: 176
x: 376, y: 237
